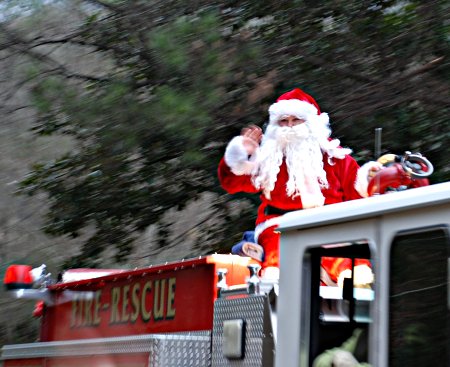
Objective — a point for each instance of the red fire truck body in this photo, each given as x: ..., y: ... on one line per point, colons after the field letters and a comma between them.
x: 166, y: 298
x: 104, y: 321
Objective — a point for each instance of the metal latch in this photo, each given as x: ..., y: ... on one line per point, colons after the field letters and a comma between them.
x: 234, y: 339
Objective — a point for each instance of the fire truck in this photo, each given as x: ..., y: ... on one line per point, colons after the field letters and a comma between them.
x: 218, y: 311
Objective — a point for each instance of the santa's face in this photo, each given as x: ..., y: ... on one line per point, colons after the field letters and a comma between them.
x: 293, y: 140
x: 290, y: 121
x: 288, y: 131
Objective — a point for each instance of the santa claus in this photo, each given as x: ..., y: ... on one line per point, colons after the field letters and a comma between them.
x: 294, y: 165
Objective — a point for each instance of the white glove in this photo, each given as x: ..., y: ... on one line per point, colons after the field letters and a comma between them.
x: 365, y: 173
x: 236, y: 157
x: 363, y: 276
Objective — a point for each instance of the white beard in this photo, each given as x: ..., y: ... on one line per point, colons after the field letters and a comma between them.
x: 301, y: 147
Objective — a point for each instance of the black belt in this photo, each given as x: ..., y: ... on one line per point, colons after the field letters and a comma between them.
x: 271, y: 210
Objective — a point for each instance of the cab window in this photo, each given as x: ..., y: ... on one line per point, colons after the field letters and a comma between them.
x: 342, y: 292
x: 419, y: 299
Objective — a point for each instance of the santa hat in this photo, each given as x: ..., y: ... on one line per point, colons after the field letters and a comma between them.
x: 296, y: 103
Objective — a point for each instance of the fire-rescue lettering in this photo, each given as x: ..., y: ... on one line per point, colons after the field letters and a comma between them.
x: 86, y: 312
x: 152, y: 300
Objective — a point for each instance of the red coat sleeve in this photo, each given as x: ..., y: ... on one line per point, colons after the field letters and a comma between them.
x: 232, y: 183
x: 348, y: 173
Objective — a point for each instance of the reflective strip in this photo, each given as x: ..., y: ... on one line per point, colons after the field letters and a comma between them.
x: 115, y: 345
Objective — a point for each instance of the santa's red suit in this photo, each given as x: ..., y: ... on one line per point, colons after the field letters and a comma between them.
x: 341, y: 173
x: 341, y: 178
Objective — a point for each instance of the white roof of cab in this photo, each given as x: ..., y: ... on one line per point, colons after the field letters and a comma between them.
x: 366, y: 208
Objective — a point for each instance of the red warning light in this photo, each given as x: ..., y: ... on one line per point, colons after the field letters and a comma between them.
x: 18, y: 277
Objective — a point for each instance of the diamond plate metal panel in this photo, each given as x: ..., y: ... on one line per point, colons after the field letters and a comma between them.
x: 181, y: 353
x: 259, y: 343
x: 165, y: 350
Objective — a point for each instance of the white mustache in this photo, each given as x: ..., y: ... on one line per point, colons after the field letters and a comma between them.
x: 287, y: 135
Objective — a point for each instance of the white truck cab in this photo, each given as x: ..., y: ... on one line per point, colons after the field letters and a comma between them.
x: 406, y: 311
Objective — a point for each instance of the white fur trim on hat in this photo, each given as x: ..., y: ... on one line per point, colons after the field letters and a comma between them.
x: 291, y: 107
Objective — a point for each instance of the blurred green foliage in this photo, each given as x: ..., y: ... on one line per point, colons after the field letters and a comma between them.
x: 180, y: 80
